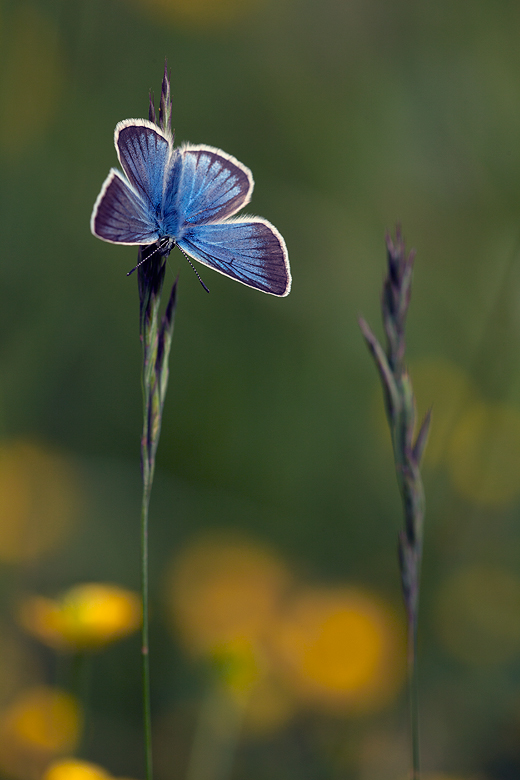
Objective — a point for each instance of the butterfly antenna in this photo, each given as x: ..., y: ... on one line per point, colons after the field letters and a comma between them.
x: 143, y: 259
x: 196, y: 272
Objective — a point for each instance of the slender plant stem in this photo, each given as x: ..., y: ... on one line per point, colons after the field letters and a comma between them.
x: 156, y: 336
x: 149, y: 442
x: 147, y: 716
x: 413, y: 692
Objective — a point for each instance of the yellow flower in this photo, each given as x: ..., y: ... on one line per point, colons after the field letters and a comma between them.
x: 42, y: 723
x: 39, y: 500
x: 86, y: 617
x: 340, y: 648
x: 223, y: 591
x: 72, y: 769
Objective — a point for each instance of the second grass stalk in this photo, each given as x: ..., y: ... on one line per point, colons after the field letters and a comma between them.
x: 400, y: 412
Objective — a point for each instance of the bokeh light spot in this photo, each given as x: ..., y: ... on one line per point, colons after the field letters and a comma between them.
x: 31, y: 77
x: 205, y: 14
x: 478, y: 615
x: 40, y: 724
x: 340, y: 647
x: 484, y: 455
x: 40, y: 498
x: 224, y: 590
x: 446, y: 389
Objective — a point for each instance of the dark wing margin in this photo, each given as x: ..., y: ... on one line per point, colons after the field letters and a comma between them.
x: 213, y: 185
x: 252, y: 251
x: 119, y: 214
x: 143, y: 151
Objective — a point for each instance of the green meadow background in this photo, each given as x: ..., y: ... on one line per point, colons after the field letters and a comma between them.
x: 275, y: 510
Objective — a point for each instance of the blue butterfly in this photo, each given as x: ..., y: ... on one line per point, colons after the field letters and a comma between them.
x: 187, y: 197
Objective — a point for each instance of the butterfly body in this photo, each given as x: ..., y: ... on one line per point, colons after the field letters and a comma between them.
x: 188, y: 196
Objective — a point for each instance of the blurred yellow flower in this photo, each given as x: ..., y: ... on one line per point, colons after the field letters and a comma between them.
x: 86, y: 617
x: 31, y: 76
x: 72, y: 769
x: 39, y: 491
x: 40, y: 724
x: 478, y: 615
x: 224, y: 590
x: 340, y: 648
x: 204, y: 14
x: 484, y: 454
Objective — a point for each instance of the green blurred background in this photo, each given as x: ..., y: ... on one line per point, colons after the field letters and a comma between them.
x: 352, y: 115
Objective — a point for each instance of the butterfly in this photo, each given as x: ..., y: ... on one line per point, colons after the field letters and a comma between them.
x: 188, y: 196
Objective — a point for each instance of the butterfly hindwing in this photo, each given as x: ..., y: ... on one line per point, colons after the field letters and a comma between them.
x: 251, y: 251
x: 212, y: 185
x: 144, y: 153
x: 119, y: 214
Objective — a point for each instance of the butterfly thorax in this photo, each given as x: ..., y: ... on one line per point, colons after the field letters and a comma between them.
x: 169, y: 219
x: 170, y: 225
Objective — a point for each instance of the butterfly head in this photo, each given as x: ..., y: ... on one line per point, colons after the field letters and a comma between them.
x: 165, y: 245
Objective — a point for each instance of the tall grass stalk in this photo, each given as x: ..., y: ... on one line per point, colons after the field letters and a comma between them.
x: 156, y: 335
x: 408, y: 451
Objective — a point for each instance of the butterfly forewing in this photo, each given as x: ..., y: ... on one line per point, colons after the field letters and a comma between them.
x: 212, y: 186
x: 120, y: 215
x: 144, y: 153
x: 251, y: 251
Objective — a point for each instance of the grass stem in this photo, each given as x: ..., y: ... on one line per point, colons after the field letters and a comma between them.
x: 145, y: 656
x: 413, y: 693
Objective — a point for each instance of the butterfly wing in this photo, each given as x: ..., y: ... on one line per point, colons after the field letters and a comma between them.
x: 144, y: 152
x: 206, y: 185
x: 120, y: 215
x: 251, y: 251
